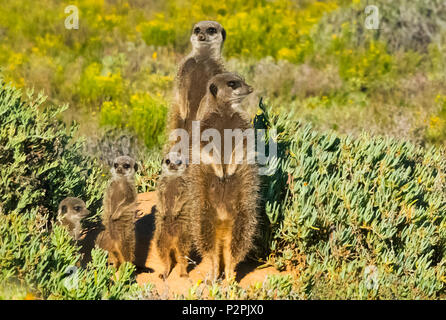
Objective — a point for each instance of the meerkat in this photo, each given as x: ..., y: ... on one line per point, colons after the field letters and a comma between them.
x: 226, y: 91
x: 194, y: 72
x: 220, y: 109
x: 224, y: 197
x: 171, y: 220
x: 71, y: 212
x: 121, y: 190
x: 118, y: 236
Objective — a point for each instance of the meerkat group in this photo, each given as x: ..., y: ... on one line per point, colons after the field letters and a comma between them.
x: 118, y: 221
x: 195, y: 71
x: 215, y: 202
x: 210, y: 206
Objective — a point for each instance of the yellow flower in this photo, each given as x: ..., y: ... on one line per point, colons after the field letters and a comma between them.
x: 30, y: 296
x: 154, y: 55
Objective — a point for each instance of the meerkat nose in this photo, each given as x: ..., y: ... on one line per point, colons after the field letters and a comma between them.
x: 201, y: 37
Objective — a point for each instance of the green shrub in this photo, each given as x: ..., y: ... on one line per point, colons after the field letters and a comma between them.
x: 145, y: 117
x: 349, y: 204
x: 38, y: 260
x: 273, y: 287
x: 40, y: 163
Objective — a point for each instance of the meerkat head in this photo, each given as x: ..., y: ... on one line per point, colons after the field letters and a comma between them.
x: 208, y: 35
x: 73, y: 208
x: 174, y: 163
x: 229, y: 88
x: 124, y: 167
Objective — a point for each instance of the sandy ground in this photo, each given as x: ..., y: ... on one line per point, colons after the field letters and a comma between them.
x: 149, y: 265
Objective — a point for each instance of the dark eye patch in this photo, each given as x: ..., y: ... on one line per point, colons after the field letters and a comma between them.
x: 116, y: 166
x: 178, y: 162
x: 211, y: 30
x: 126, y: 166
x: 77, y: 208
x: 234, y: 84
x: 167, y: 161
x: 197, y: 30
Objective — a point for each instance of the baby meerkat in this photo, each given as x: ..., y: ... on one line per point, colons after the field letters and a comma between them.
x: 195, y: 71
x: 71, y: 212
x: 118, y: 238
x: 224, y: 197
x: 172, y: 234
x: 121, y: 190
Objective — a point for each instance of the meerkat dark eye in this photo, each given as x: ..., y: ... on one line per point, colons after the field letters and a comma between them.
x: 211, y: 30
x: 178, y: 162
x: 77, y: 208
x: 126, y: 166
x: 116, y: 165
x: 167, y: 161
x: 197, y: 30
x: 234, y: 84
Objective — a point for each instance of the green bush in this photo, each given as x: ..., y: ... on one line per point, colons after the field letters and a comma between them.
x: 38, y: 260
x: 40, y: 164
x: 145, y: 117
x: 351, y: 205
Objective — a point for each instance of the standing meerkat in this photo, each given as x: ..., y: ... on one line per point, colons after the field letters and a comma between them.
x: 71, y: 212
x: 172, y: 234
x: 225, y: 195
x: 118, y: 238
x: 194, y: 72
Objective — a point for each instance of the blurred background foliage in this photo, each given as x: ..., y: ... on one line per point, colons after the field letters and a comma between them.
x: 315, y: 57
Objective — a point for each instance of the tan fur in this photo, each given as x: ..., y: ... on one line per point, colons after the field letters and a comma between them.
x: 172, y: 234
x: 194, y: 72
x: 118, y: 238
x: 71, y: 212
x: 224, y: 197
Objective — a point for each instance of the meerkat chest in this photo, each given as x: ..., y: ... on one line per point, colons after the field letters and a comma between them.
x: 172, y: 193
x: 123, y: 190
x: 224, y: 197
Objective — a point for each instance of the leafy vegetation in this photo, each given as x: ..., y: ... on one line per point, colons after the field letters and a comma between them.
x: 40, y: 164
x: 352, y: 205
x: 315, y: 57
x: 356, y: 206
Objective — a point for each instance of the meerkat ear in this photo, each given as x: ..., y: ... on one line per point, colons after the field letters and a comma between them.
x: 135, y: 167
x: 213, y: 89
x: 63, y: 210
x: 223, y: 34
